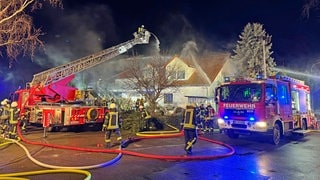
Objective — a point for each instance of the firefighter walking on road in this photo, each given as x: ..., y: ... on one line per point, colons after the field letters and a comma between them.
x: 111, y: 124
x: 209, y: 118
x: 191, y: 119
x: 4, y: 117
x: 13, y: 120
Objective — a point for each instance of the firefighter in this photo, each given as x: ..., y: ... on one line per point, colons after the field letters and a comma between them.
x: 104, y: 102
x: 191, y: 119
x: 4, y: 116
x: 209, y: 118
x: 137, y: 105
x: 141, y: 30
x: 13, y: 120
x: 145, y: 116
x: 111, y: 124
x: 24, y: 119
x: 202, y: 117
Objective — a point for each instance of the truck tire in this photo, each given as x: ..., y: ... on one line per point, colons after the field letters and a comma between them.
x: 92, y: 114
x: 53, y: 129
x: 232, y: 135
x: 276, y: 134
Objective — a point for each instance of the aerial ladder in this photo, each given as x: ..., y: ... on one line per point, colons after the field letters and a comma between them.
x: 49, y: 89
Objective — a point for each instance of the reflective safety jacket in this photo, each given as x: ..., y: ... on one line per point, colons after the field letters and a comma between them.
x: 112, y: 120
x: 191, y: 118
x: 14, y: 115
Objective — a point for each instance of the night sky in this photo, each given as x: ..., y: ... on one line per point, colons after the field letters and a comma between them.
x: 84, y: 27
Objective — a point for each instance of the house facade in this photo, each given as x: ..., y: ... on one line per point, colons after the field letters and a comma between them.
x: 195, y: 80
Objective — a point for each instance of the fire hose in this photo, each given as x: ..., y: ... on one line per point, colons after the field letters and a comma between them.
x: 120, y: 152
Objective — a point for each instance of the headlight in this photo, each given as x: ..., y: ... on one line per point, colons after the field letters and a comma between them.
x: 261, y: 124
x: 220, y: 121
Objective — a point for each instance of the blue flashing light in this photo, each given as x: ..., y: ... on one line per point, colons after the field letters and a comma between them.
x: 259, y: 77
x: 225, y: 117
x: 251, y: 118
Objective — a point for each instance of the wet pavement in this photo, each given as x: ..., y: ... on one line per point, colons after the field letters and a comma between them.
x: 162, y: 157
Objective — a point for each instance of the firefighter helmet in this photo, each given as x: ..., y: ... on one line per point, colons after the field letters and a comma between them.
x: 4, y: 102
x: 14, y: 104
x: 112, y: 106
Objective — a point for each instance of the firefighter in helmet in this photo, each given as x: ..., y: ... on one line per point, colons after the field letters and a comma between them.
x: 111, y: 124
x: 13, y: 120
x: 209, y: 118
x: 24, y: 119
x: 141, y: 30
x: 4, y: 116
x: 191, y: 120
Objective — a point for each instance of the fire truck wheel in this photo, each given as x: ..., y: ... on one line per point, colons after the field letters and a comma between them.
x: 276, y: 134
x: 92, y: 114
x: 232, y: 135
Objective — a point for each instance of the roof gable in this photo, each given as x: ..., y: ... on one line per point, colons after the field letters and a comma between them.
x: 209, y: 67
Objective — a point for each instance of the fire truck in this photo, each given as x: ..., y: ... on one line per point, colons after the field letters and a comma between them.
x: 50, y: 101
x: 273, y: 106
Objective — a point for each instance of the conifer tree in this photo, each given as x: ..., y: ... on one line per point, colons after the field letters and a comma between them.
x: 252, y: 54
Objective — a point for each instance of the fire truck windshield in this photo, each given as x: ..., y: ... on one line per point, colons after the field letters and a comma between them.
x: 240, y: 93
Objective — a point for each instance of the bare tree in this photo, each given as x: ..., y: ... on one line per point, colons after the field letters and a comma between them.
x: 151, y: 78
x: 18, y: 36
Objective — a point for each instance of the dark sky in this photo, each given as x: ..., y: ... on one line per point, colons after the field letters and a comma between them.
x: 215, y: 25
x: 84, y: 27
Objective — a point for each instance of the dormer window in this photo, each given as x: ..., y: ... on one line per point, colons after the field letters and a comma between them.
x: 180, y: 75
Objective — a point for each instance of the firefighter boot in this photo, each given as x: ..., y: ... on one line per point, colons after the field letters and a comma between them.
x: 108, y: 143
x: 188, y: 149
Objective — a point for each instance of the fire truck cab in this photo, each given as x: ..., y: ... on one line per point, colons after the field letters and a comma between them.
x: 273, y: 106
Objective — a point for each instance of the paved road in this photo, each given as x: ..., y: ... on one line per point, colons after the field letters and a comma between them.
x: 254, y: 157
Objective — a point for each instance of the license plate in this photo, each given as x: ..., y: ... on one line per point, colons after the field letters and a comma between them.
x: 239, y: 122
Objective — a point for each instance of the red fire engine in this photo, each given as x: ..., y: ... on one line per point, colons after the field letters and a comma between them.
x: 51, y: 103
x: 276, y: 106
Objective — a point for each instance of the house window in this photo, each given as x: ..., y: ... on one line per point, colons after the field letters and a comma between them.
x: 181, y: 75
x: 168, y: 98
x: 197, y: 100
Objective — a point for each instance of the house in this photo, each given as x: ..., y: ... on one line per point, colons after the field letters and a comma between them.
x: 196, y: 79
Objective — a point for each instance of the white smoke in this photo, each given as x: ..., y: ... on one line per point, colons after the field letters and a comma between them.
x: 189, y: 50
x: 77, y: 33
